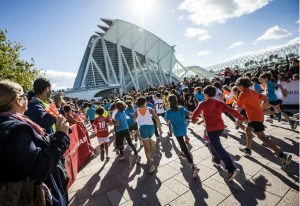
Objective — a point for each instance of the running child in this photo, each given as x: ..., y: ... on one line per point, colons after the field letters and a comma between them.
x: 123, y: 132
x: 144, y: 116
x: 101, y: 124
x: 133, y: 127
x: 176, y: 116
x: 253, y: 102
x: 272, y: 97
x: 159, y: 105
x: 212, y: 111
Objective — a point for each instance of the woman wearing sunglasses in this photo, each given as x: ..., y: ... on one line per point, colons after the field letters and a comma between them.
x: 26, y: 154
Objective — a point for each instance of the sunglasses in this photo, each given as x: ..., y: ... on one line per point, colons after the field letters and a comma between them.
x: 24, y: 95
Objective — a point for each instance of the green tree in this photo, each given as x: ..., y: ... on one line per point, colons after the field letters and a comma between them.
x: 12, y: 67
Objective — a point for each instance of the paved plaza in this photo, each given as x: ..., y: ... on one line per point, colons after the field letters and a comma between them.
x: 260, y: 181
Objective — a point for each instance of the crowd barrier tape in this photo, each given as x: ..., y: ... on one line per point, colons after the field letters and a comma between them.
x: 79, y: 151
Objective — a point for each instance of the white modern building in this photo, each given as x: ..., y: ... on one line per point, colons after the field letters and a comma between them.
x: 125, y: 56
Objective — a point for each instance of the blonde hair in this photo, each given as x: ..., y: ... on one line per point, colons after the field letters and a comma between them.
x: 8, y: 94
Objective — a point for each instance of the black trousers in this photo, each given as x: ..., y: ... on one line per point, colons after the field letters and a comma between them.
x: 184, y: 149
x: 120, y: 140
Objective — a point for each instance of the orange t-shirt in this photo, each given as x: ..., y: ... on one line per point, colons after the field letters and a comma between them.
x: 251, y: 101
x: 263, y: 86
x: 228, y: 101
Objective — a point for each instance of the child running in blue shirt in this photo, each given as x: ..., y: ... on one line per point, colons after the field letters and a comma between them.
x: 122, y: 131
x: 274, y: 101
x: 176, y: 116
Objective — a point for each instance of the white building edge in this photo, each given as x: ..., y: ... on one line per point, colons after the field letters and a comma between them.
x: 125, y: 56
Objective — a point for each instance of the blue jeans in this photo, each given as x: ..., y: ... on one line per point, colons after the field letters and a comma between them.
x: 218, y: 152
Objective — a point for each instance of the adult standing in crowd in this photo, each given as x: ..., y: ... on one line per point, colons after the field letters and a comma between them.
x: 27, y: 154
x: 38, y: 105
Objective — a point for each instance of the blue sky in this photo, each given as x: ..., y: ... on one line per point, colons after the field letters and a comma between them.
x: 205, y: 32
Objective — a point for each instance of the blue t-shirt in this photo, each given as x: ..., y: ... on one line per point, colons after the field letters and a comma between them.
x: 149, y: 104
x: 257, y: 88
x: 178, y: 120
x: 107, y: 106
x: 121, y: 118
x: 199, y: 97
x: 129, y: 116
x: 91, y: 112
x: 271, y: 95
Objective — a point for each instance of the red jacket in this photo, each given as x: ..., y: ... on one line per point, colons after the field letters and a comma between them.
x: 212, y: 111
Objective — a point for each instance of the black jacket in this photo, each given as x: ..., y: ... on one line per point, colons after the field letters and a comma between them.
x: 23, y: 153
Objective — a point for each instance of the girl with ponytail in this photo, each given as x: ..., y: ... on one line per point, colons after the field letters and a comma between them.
x: 176, y: 117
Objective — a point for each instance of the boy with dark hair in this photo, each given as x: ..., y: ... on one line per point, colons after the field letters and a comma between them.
x: 212, y: 111
x: 253, y: 102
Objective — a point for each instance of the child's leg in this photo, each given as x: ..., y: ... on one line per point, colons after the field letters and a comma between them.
x: 147, y: 149
x: 102, y: 147
x: 119, y: 142
x: 128, y: 139
x: 249, y: 137
x: 106, y: 148
x: 267, y: 142
x: 185, y: 150
x: 216, y: 145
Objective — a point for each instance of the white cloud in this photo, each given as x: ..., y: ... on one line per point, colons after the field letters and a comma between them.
x: 235, y: 44
x: 204, y: 12
x: 203, y: 53
x: 60, y: 80
x: 180, y: 18
x: 274, y: 32
x: 297, y: 21
x: 172, y: 11
x: 200, y: 34
x: 180, y: 58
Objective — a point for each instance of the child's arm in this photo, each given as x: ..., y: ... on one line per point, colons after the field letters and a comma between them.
x: 158, y: 124
x: 232, y: 112
x: 196, y: 113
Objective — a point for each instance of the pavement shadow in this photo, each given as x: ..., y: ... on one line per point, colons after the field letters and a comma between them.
x: 166, y: 146
x: 145, y: 192
x: 247, y: 192
x: 285, y: 129
x: 80, y: 195
x: 194, y: 184
x: 293, y: 174
x: 117, y: 178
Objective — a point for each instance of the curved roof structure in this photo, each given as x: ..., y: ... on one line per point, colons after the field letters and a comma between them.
x: 126, y: 56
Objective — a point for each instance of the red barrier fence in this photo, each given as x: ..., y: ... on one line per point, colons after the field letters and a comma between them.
x: 79, y: 151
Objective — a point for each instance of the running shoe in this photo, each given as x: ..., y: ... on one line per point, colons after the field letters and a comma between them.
x: 246, y: 150
x: 182, y: 155
x: 187, y: 140
x: 269, y: 120
x: 151, y: 168
x: 286, y: 160
x: 293, y: 124
x: 206, y: 140
x: 107, y: 158
x: 231, y: 175
x: 196, y: 171
x: 279, y: 116
x: 138, y: 159
x: 121, y: 157
x: 216, y: 164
